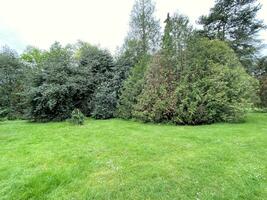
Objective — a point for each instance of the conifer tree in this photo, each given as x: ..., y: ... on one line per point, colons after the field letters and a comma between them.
x: 235, y: 22
x: 144, y: 27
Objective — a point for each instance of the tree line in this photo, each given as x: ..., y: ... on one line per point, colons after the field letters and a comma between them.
x: 183, y: 75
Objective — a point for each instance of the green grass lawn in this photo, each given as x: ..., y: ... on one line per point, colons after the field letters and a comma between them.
x: 117, y: 159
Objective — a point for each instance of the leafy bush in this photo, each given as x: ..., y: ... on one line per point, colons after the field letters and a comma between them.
x: 68, y: 80
x: 50, y: 97
x: 77, y: 117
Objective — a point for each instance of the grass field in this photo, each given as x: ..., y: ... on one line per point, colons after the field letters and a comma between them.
x: 117, y: 159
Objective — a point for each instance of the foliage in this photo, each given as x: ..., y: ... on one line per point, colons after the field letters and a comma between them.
x: 131, y: 89
x: 157, y: 102
x: 235, y: 21
x: 144, y: 27
x: 12, y: 74
x: 69, y: 79
x: 97, y: 66
x: 214, y: 87
x: 177, y: 34
x: 50, y: 97
x: 77, y: 117
x: 33, y: 55
x: 261, y: 74
x: 105, y: 100
x: 182, y: 78
x: 263, y: 91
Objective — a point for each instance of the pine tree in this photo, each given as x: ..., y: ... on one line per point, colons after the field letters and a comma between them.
x: 235, y: 21
x: 143, y: 40
x: 156, y: 103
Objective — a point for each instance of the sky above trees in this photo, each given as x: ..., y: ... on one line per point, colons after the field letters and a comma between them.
x: 104, y: 23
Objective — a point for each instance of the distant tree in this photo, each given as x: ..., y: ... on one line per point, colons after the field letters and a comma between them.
x: 156, y: 103
x: 33, y: 55
x: 261, y: 67
x: 143, y: 39
x: 12, y: 73
x: 235, y: 22
x: 261, y: 73
x: 144, y: 27
x: 177, y: 33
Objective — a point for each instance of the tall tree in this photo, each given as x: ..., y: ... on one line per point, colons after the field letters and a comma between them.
x: 143, y: 39
x: 157, y: 100
x: 177, y: 33
x: 144, y: 27
x: 236, y: 22
x: 12, y: 73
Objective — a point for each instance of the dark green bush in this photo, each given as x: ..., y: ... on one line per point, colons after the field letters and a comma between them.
x: 105, y: 101
x: 69, y: 80
x: 77, y: 117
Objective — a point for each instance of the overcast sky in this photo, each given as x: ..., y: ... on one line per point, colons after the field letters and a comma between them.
x: 100, y: 22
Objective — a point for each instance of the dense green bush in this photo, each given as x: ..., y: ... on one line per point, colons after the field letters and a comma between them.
x: 69, y: 79
x: 50, y: 97
x: 105, y: 101
x: 131, y: 89
x: 156, y: 102
x: 77, y: 117
x: 212, y: 87
x: 214, y: 94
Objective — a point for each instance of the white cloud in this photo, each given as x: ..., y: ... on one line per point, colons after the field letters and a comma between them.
x: 41, y: 22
